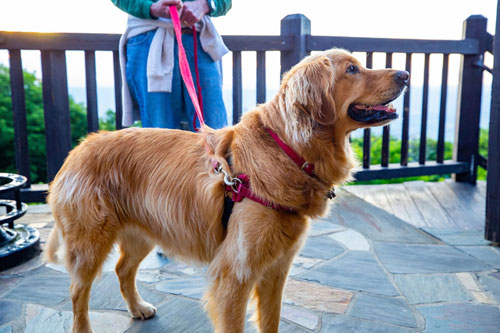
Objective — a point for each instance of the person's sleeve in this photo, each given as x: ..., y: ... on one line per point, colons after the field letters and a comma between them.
x: 137, y: 8
x: 221, y: 7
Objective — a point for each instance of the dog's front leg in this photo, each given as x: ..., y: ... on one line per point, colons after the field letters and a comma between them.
x: 226, y: 303
x: 269, y: 293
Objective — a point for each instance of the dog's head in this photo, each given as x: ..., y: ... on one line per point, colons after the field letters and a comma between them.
x: 334, y: 90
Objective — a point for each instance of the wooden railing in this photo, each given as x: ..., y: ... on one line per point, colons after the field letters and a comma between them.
x: 294, y: 42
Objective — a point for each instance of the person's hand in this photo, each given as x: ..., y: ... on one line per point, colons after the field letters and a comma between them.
x: 193, y: 11
x: 160, y: 8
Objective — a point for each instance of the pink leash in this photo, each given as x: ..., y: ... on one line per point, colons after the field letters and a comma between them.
x: 184, y: 68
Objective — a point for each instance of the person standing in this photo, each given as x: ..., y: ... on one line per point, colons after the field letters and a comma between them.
x: 153, y: 90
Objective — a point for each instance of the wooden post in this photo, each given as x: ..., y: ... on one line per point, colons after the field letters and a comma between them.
x: 19, y: 114
x: 469, y: 101
x: 492, y: 227
x: 298, y: 26
x: 56, y: 110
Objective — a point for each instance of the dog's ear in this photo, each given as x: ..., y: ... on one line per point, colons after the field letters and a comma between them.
x: 308, y: 94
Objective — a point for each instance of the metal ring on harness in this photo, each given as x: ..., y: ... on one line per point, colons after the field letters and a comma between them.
x: 236, y: 186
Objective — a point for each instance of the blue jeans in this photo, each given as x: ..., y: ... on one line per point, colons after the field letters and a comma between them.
x: 167, y: 110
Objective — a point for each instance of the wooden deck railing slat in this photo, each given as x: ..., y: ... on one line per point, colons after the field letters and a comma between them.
x: 442, y: 109
x: 367, y: 131
x: 261, y: 77
x: 386, y: 128
x: 19, y: 113
x: 237, y: 87
x: 406, y: 115
x: 425, y: 104
x: 118, y: 90
x: 91, y: 90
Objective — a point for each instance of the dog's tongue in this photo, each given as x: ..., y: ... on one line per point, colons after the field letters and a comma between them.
x: 386, y: 108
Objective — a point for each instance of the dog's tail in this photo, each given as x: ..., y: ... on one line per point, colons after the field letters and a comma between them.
x: 54, y: 249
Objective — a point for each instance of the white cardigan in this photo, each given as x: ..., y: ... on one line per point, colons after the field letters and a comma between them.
x: 161, y: 56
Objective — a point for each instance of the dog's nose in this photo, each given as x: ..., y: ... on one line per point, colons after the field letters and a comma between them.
x: 402, y: 76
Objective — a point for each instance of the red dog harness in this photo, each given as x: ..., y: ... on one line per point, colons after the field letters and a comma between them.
x: 239, y: 187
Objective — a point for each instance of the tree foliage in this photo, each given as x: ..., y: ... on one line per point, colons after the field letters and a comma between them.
x: 35, y: 125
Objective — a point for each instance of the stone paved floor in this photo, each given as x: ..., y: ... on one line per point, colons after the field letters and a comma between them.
x: 361, y: 270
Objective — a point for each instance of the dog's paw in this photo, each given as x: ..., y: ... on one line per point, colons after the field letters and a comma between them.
x: 143, y: 310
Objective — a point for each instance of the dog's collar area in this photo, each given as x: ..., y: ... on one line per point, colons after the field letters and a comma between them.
x: 299, y: 160
x: 239, y: 186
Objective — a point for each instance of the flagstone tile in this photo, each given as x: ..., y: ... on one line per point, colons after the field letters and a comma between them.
x: 317, y: 297
x: 352, y: 240
x: 424, y: 258
x: 352, y: 212
x: 178, y: 314
x: 356, y: 270
x: 322, y: 227
x: 41, y: 289
x: 425, y: 288
x: 43, y: 319
x: 342, y: 323
x: 485, y: 254
x: 491, y: 284
x: 6, y: 329
x: 387, y: 309
x: 461, y: 317
x: 9, y: 311
x: 300, y: 317
x: 189, y: 287
x: 458, y: 237
x: 468, y: 281
x: 321, y: 247
x: 287, y: 328
x: 106, y: 294
x: 302, y: 264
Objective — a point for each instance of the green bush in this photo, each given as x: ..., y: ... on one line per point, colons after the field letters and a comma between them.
x: 35, y: 125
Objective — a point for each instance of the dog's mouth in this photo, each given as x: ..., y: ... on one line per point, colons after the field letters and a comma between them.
x: 372, y: 113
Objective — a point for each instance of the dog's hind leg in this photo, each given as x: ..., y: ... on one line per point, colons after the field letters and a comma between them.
x: 86, y: 251
x: 134, y: 248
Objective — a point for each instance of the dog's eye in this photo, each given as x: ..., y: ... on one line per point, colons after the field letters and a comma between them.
x: 352, y: 69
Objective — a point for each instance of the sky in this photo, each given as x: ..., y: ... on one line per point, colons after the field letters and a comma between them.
x: 424, y: 19
x: 438, y: 19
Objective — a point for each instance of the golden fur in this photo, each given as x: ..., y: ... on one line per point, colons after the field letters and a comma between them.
x: 140, y: 187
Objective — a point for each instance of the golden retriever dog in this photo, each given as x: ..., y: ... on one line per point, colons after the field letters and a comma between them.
x: 142, y: 187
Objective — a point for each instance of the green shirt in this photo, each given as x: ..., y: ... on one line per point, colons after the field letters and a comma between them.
x: 140, y: 8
